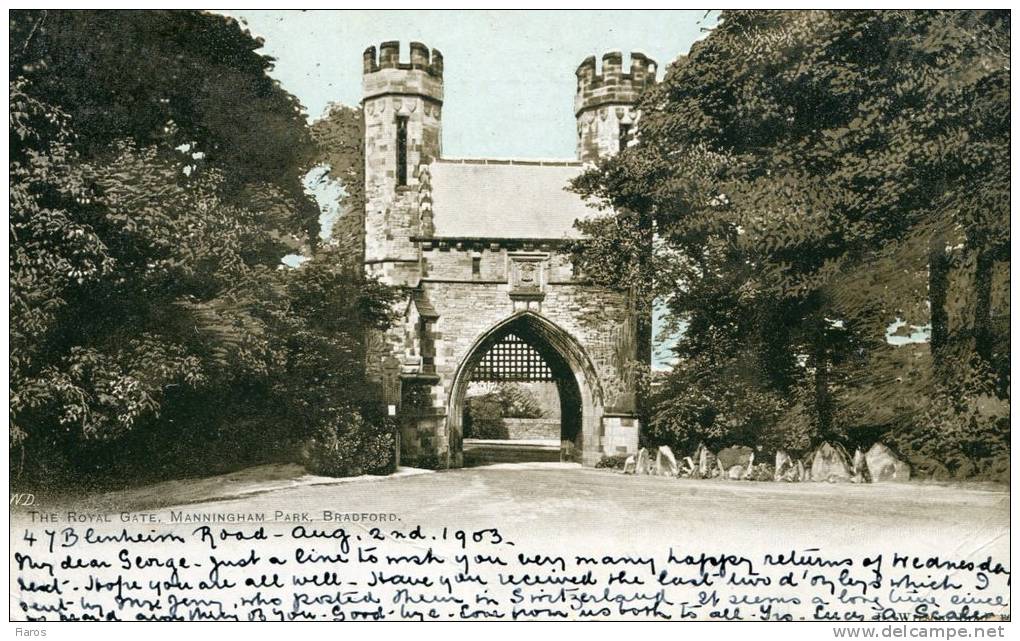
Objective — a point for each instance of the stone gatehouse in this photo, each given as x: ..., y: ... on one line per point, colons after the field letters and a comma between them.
x: 479, y: 243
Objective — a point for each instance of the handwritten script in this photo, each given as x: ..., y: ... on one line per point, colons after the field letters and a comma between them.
x: 392, y: 570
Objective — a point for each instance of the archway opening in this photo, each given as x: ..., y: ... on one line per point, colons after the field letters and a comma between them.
x: 519, y: 397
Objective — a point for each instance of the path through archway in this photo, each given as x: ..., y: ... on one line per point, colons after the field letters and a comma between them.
x: 526, y: 348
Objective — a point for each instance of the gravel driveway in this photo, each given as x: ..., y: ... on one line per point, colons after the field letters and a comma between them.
x: 577, y: 506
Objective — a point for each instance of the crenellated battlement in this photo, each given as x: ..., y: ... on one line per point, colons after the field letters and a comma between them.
x: 385, y: 75
x: 389, y: 58
x: 613, y: 86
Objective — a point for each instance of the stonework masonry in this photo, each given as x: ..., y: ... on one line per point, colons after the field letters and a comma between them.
x: 605, y: 102
x: 412, y: 92
x: 466, y: 293
x: 521, y: 429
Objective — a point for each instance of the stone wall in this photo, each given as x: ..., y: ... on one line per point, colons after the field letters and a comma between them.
x: 521, y: 429
x: 598, y: 319
x: 619, y: 434
x: 453, y: 260
x: 392, y: 89
x: 545, y: 395
x: 598, y: 130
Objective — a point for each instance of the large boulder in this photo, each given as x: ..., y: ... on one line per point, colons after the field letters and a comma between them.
x: 630, y: 465
x: 860, y: 467
x: 705, y: 461
x: 665, y: 462
x: 736, y: 463
x: 737, y: 455
x: 731, y: 458
x: 831, y: 463
x: 643, y: 464
x: 884, y: 465
x: 786, y: 468
x: 688, y: 468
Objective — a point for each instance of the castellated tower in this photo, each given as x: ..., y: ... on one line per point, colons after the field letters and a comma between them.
x: 605, y: 104
x: 402, y: 103
x: 491, y: 293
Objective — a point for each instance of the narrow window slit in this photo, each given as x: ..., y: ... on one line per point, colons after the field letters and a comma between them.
x: 401, y: 151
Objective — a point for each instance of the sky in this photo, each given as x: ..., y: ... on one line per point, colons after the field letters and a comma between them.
x: 509, y: 75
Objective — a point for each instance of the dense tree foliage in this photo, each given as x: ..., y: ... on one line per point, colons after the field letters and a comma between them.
x: 155, y: 186
x: 812, y: 179
x: 340, y: 156
x: 484, y: 413
x: 172, y: 79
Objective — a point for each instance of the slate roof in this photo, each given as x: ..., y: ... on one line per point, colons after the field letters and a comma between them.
x: 505, y: 199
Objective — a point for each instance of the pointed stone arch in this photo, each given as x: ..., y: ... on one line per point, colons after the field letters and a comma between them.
x: 581, y: 394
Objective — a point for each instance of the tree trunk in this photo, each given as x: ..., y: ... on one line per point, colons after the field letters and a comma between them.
x: 983, y: 306
x: 643, y: 335
x: 823, y: 397
x: 938, y: 288
x: 644, y: 302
